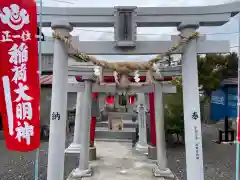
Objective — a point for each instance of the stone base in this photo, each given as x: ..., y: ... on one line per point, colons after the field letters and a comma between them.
x: 78, y: 174
x: 152, y: 152
x: 163, y: 173
x: 142, y: 149
x: 73, y: 149
x: 92, y: 153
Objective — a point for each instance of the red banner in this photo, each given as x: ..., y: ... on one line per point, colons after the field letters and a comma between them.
x: 19, y: 83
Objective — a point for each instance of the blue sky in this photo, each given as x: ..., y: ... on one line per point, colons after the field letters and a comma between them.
x: 144, y: 33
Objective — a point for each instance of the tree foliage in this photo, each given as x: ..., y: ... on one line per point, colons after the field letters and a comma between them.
x: 174, y: 108
x: 212, y: 69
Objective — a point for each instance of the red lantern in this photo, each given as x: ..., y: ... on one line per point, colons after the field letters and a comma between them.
x: 94, y: 95
x: 131, y: 99
x: 110, y: 100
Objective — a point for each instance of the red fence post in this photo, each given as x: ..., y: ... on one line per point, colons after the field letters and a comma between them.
x: 92, y: 131
x: 152, y: 119
x: 93, y: 123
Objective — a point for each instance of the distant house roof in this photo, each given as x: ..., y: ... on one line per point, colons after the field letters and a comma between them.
x: 47, y: 79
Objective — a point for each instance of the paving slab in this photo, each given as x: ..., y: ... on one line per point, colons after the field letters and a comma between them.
x: 219, y: 160
x: 120, y: 162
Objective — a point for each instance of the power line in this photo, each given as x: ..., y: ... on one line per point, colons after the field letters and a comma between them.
x: 61, y: 1
x: 234, y: 46
x: 226, y: 33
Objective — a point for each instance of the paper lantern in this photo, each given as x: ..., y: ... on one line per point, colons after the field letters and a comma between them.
x: 94, y: 95
x: 110, y: 100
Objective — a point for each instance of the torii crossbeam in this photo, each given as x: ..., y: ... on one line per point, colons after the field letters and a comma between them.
x: 186, y: 19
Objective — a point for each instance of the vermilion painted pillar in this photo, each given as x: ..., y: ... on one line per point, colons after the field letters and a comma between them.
x: 152, y: 113
x: 132, y: 99
x: 93, y: 124
x: 152, y: 119
x: 92, y: 131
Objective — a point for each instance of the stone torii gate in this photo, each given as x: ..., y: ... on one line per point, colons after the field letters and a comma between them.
x: 125, y: 20
x: 80, y: 87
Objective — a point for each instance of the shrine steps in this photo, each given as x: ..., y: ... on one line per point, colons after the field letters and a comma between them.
x: 126, y: 124
x: 114, y: 140
x: 125, y: 134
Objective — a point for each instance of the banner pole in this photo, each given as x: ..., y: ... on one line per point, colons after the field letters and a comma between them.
x: 36, y: 164
x: 40, y: 39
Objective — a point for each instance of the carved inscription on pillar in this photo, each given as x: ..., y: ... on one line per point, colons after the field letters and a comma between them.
x: 195, y: 117
x: 55, y: 116
x: 141, y: 114
x: 196, y: 139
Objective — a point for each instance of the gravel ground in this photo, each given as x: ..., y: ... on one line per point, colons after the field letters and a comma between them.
x: 219, y: 160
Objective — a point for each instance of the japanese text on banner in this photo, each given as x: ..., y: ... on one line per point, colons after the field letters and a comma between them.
x: 19, y: 76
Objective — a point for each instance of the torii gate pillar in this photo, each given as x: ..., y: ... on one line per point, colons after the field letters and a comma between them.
x: 191, y: 105
x: 76, y: 144
x: 83, y: 169
x: 58, y: 117
x: 161, y: 169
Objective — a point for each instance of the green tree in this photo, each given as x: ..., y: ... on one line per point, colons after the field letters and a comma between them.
x: 212, y: 69
x: 231, y: 65
x: 174, y: 108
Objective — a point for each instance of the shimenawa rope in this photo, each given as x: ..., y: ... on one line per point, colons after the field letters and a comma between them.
x: 123, y: 67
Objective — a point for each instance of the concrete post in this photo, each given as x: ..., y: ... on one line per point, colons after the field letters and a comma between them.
x: 142, y: 145
x: 84, y: 170
x: 58, y: 106
x: 192, y: 120
x: 76, y: 144
x: 161, y: 170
